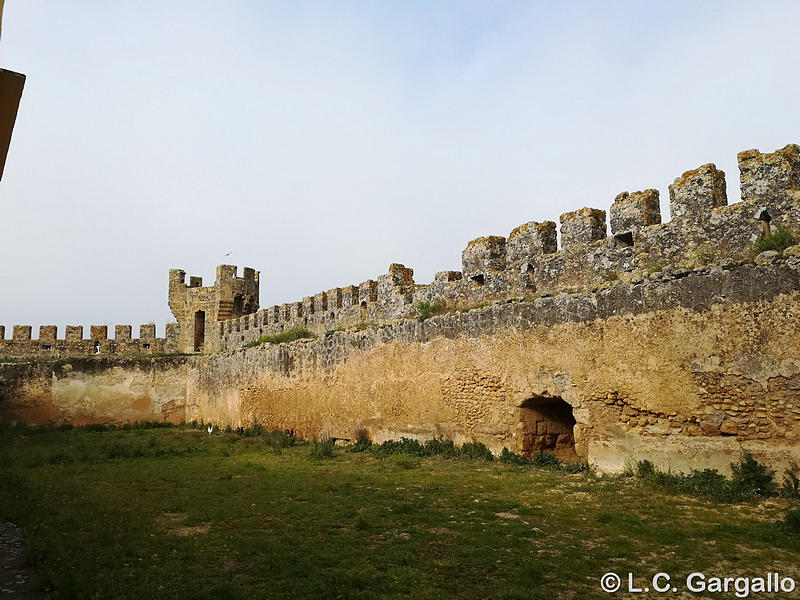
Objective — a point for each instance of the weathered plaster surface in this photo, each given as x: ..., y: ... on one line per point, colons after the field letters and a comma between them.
x: 683, y: 385
x: 85, y: 390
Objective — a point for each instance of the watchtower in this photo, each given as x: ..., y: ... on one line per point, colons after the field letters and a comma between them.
x: 198, y: 308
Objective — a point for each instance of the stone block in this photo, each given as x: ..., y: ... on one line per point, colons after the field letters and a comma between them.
x: 334, y: 298
x: 98, y: 332
x: 48, y: 333
x: 309, y: 307
x: 530, y: 241
x: 73, y: 333
x: 368, y: 291
x: 582, y: 227
x: 294, y: 311
x: 633, y: 210
x: 401, y: 275
x: 22, y: 332
x: 122, y: 332
x: 484, y: 255
x: 147, y: 331
x: 766, y: 176
x: 320, y: 303
x: 696, y: 192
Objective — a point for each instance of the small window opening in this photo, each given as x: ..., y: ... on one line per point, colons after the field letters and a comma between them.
x: 527, y: 277
x: 364, y: 310
x: 764, y: 219
x: 97, y: 347
x: 623, y: 240
x: 46, y: 347
x: 477, y: 280
x: 146, y: 346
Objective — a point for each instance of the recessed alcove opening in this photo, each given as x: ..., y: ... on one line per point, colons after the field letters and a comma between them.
x: 199, y: 330
x: 238, y: 305
x: 764, y: 218
x: 548, y: 427
x: 477, y: 280
x: 528, y: 280
x: 623, y: 239
x: 363, y: 310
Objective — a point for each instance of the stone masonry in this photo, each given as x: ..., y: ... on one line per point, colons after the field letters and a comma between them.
x: 675, y: 341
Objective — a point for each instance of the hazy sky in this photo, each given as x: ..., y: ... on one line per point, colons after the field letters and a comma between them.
x: 321, y: 141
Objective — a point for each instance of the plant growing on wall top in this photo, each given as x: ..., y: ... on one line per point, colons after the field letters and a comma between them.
x: 426, y: 310
x: 290, y: 335
x: 779, y: 240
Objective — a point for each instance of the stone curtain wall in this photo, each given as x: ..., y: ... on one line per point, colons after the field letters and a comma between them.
x: 684, y: 368
x: 21, y: 344
x: 704, y: 230
x: 93, y: 390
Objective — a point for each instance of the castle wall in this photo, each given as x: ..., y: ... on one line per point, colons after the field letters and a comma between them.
x: 683, y: 369
x: 704, y: 230
x: 98, y: 343
x: 672, y: 341
x: 93, y: 390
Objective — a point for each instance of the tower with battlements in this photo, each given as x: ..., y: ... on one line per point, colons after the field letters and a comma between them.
x: 199, y: 308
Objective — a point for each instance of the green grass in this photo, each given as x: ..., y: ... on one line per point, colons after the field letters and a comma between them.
x: 175, y: 513
x: 289, y: 335
x: 749, y: 479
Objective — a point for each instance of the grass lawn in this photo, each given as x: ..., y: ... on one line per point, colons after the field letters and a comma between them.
x: 176, y: 513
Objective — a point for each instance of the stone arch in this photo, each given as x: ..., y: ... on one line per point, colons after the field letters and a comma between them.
x: 547, y: 425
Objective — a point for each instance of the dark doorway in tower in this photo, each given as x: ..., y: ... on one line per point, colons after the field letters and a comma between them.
x: 548, y: 426
x: 238, y: 306
x: 199, y: 330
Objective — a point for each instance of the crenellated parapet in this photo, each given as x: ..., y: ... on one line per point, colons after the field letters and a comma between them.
x: 704, y: 229
x: 96, y: 343
x: 596, y: 251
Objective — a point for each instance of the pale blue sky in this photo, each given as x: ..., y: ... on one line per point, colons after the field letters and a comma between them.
x: 321, y: 141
